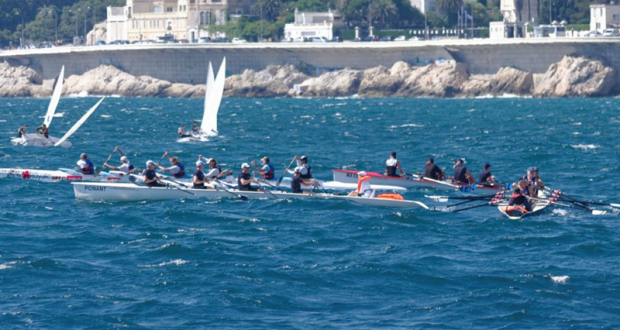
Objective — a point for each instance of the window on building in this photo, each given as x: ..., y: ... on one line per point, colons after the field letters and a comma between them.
x: 616, y: 17
x: 158, y: 9
x: 216, y: 1
x: 170, y: 9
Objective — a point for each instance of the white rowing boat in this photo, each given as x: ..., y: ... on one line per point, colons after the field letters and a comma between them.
x: 538, y: 204
x: 415, y: 181
x: 33, y: 175
x: 328, y: 185
x: 73, y: 175
x: 129, y: 192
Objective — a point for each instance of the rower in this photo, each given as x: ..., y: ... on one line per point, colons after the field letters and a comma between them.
x: 215, y: 170
x: 297, y: 182
x: 177, y: 169
x: 126, y: 166
x: 85, y: 165
x: 485, y: 177
x: 304, y: 169
x: 181, y: 132
x: 199, y: 176
x: 22, y: 131
x: 431, y: 170
x: 244, y: 180
x: 267, y: 171
x: 534, y: 182
x: 392, y: 164
x: 461, y: 173
x: 150, y: 177
x: 43, y: 130
x: 363, y: 186
x: 520, y: 198
x: 195, y: 128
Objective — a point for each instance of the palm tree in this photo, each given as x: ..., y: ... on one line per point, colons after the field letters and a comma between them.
x: 449, y: 6
x: 384, y: 10
x: 269, y: 9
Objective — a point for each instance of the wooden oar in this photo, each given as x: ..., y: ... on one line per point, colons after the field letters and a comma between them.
x: 286, y: 170
x: 242, y: 197
x: 107, y: 160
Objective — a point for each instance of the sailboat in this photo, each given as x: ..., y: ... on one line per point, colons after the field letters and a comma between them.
x: 38, y: 140
x: 213, y: 98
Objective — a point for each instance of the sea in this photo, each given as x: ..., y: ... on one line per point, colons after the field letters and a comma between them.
x: 314, y: 264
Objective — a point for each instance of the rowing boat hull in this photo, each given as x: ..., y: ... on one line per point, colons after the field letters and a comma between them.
x: 73, y: 175
x: 413, y: 182
x: 537, y: 207
x: 329, y: 185
x: 128, y: 192
x: 33, y: 175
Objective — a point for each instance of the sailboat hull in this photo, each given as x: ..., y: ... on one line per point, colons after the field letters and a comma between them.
x: 36, y: 140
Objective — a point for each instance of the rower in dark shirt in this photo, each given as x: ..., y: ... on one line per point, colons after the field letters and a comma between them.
x: 431, y: 170
x: 244, y: 180
x: 461, y: 173
x: 485, y: 177
x: 199, y: 176
x: 520, y: 196
x: 297, y: 181
x: 150, y: 177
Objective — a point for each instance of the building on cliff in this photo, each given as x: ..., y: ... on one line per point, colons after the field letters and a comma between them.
x: 176, y: 19
x: 604, y: 16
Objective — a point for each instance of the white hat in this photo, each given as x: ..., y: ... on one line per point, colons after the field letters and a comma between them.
x: 199, y: 163
x: 124, y: 159
x: 150, y: 162
x: 361, y: 173
x: 245, y: 165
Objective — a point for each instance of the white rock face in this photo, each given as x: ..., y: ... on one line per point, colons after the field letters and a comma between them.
x: 577, y: 77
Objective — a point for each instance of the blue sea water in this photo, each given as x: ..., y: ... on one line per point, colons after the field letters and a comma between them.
x: 264, y: 264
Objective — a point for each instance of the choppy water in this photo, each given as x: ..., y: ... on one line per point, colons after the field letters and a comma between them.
x: 315, y: 264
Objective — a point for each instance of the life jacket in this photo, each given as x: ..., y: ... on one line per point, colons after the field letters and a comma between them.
x: 91, y: 167
x: 268, y: 175
x: 131, y: 167
x: 181, y: 172
x: 390, y: 167
x: 391, y: 196
x: 308, y: 174
x: 360, y: 181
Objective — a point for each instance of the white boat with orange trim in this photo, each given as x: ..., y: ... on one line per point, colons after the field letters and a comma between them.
x: 517, y: 212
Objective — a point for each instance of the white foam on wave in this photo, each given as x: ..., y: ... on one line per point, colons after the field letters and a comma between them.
x: 175, y: 262
x: 105, y: 116
x: 8, y: 265
x: 585, y: 146
x: 406, y: 125
x: 559, y: 279
x: 561, y: 212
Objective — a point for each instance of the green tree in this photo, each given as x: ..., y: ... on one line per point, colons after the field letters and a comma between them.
x: 449, y: 6
x: 384, y: 11
x: 268, y: 9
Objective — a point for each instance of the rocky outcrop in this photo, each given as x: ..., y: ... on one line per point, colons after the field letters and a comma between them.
x: 17, y: 80
x: 435, y: 80
x: 109, y: 80
x: 512, y: 81
x: 577, y: 77
x: 333, y: 84
x: 383, y: 82
x: 274, y: 81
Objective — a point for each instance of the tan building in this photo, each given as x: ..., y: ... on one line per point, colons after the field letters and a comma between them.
x: 174, y: 19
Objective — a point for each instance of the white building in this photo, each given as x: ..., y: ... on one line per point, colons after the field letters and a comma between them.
x: 310, y: 25
x: 515, y: 20
x: 116, y: 24
x: 603, y: 16
x: 424, y: 6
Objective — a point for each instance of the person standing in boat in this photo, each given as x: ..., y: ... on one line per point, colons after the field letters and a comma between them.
x: 520, y: 198
x: 461, y: 173
x: 22, y: 131
x: 177, y: 169
x: 85, y: 165
x: 534, y: 182
x: 297, y: 182
x: 431, y: 170
x: 267, y: 171
x: 485, y: 177
x: 244, y: 180
x: 393, y: 164
x: 363, y: 186
x: 150, y: 177
x: 43, y: 130
x: 199, y: 176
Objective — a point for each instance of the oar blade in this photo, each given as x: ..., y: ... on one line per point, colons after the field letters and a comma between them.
x: 599, y: 212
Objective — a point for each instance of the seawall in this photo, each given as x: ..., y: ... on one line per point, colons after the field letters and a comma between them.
x: 180, y: 63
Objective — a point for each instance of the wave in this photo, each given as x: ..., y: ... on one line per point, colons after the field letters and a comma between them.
x: 585, y: 146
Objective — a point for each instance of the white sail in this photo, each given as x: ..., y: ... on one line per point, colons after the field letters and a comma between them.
x: 205, y: 125
x: 217, y: 93
x: 79, y: 123
x: 51, y: 109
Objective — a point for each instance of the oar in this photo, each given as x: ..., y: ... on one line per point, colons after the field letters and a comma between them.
x: 242, y: 197
x: 132, y: 179
x: 178, y: 188
x: 574, y: 206
x: 270, y: 185
x: 561, y: 194
x: 445, y: 199
x: 286, y: 170
x: 162, y: 157
x: 267, y: 190
x: 109, y: 157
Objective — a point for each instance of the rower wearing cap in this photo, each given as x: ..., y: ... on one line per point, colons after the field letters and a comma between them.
x: 126, y: 166
x: 432, y: 171
x: 461, y: 173
x: 177, y: 169
x: 199, y: 176
x: 150, y: 177
x: 363, y: 186
x: 85, y: 165
x: 297, y: 182
x: 485, y: 177
x: 267, y: 171
x: 534, y: 182
x: 244, y: 180
x: 520, y: 197
x: 392, y: 164
x: 215, y: 170
x: 304, y: 168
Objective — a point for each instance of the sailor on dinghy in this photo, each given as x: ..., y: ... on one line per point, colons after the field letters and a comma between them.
x: 22, y: 131
x: 181, y: 132
x: 43, y: 130
x: 85, y: 165
x: 432, y: 171
x: 393, y: 164
x: 485, y: 177
x: 519, y: 201
x: 267, y: 171
x: 363, y: 186
x: 461, y: 173
x: 150, y: 177
x: 195, y: 128
x: 177, y: 169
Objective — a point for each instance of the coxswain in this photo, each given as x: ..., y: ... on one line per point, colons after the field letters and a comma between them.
x: 244, y: 180
x: 85, y: 165
x: 393, y: 164
x: 363, y: 186
x: 22, y: 131
x: 150, y: 177
x: 431, y: 170
x: 520, y: 198
x: 199, y: 176
x: 181, y: 132
x: 195, y: 128
x: 485, y: 177
x: 43, y: 130
x: 461, y: 173
x: 297, y: 182
x: 177, y: 169
x: 267, y: 170
x: 534, y: 182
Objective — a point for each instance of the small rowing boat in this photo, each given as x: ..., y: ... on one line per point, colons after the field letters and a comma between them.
x: 415, y: 181
x: 515, y: 213
x: 130, y: 192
